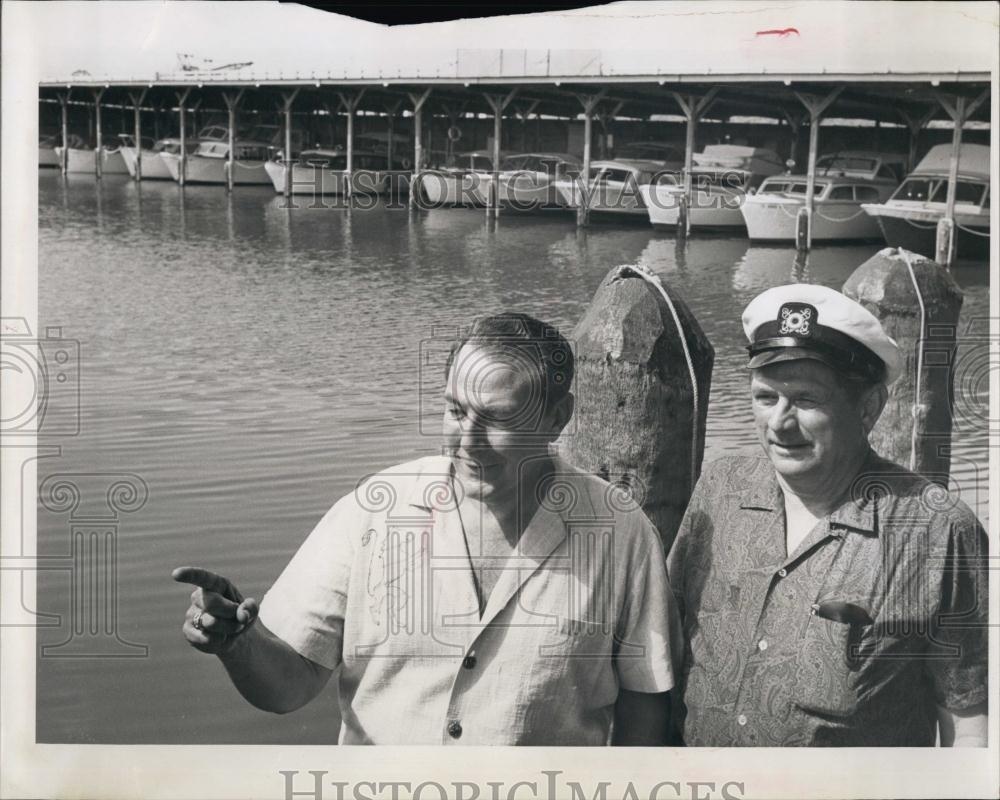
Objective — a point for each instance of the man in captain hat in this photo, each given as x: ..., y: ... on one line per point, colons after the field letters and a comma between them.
x: 828, y: 596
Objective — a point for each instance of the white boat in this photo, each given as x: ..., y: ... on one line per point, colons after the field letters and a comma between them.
x: 460, y: 183
x: 208, y: 162
x: 47, y: 156
x: 319, y: 172
x: 527, y: 180
x: 844, y: 181
x: 909, y: 218
x: 723, y: 175
x: 83, y: 159
x: 153, y: 167
x: 668, y: 156
x: 614, y: 187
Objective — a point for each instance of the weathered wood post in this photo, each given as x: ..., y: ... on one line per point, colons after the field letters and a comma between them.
x: 98, y: 140
x: 815, y: 107
x: 350, y: 103
x: 959, y: 111
x: 918, y: 304
x: 391, y: 109
x: 915, y: 125
x: 137, y: 98
x: 287, y: 98
x: 643, y: 373
x: 418, y: 99
x: 64, y: 117
x: 182, y: 98
x: 583, y: 187
x: 232, y: 102
x: 693, y: 108
x: 498, y: 103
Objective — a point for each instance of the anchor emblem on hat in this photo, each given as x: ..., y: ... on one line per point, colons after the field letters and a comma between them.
x: 796, y: 319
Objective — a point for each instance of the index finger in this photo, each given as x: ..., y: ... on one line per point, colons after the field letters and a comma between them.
x: 207, y: 580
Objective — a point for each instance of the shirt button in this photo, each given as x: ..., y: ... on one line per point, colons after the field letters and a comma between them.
x: 741, y: 719
x: 469, y: 662
x: 762, y: 645
x: 782, y: 573
x: 454, y: 729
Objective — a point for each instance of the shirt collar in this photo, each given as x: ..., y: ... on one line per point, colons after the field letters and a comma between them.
x: 859, y: 512
x: 432, y: 488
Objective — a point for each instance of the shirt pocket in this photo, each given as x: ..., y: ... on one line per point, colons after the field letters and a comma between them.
x: 828, y: 666
x: 578, y: 652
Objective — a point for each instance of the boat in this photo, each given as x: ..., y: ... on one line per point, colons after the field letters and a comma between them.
x: 153, y: 167
x: 910, y: 216
x: 668, y: 156
x: 47, y: 156
x: 844, y: 181
x: 323, y: 171
x: 723, y: 175
x: 207, y: 163
x: 527, y: 180
x: 82, y: 159
x: 461, y: 182
x: 614, y: 187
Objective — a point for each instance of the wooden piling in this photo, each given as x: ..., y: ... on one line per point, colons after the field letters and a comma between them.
x: 287, y: 98
x: 137, y: 99
x: 232, y: 102
x: 636, y: 421
x: 693, y: 108
x: 815, y: 107
x: 64, y: 118
x: 182, y: 97
x: 99, y: 142
x: 921, y: 312
x: 418, y: 100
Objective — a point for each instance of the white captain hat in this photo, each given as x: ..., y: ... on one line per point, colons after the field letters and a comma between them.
x: 804, y: 320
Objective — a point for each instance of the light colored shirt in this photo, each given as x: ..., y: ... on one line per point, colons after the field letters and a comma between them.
x: 853, y: 639
x: 383, y: 588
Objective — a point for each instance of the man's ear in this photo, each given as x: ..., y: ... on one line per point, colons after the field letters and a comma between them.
x: 561, y: 414
x: 872, y: 406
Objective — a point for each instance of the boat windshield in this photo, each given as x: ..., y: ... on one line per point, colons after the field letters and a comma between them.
x: 846, y: 164
x: 935, y: 190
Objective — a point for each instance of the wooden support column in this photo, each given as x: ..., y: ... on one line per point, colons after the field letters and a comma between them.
x: 522, y: 114
x: 815, y: 107
x: 182, y: 123
x: 795, y: 126
x: 64, y: 116
x: 960, y: 110
x: 498, y: 103
x: 350, y: 105
x: 287, y: 98
x: 232, y: 102
x: 589, y: 103
x: 605, y: 118
x: 137, y: 98
x: 418, y: 99
x: 915, y: 125
x: 98, y: 144
x: 391, y: 109
x: 693, y: 107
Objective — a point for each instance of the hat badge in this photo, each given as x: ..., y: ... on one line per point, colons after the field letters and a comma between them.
x: 796, y: 319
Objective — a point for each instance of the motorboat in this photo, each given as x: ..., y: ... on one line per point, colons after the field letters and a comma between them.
x: 527, y: 180
x: 844, y: 181
x: 207, y: 163
x: 722, y: 176
x: 47, y: 156
x: 613, y: 187
x: 461, y: 183
x: 81, y: 159
x: 910, y: 216
x: 668, y: 156
x: 153, y: 167
x: 324, y: 171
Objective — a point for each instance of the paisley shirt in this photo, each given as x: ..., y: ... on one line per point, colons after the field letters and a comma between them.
x: 878, y: 616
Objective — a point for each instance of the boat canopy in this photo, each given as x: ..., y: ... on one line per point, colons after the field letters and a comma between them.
x: 973, y: 160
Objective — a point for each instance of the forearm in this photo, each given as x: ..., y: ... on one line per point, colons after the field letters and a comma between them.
x: 270, y: 674
x: 963, y: 728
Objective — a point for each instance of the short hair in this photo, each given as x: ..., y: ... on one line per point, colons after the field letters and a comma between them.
x: 531, y: 340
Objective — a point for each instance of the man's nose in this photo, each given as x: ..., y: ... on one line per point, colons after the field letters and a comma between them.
x: 782, y: 416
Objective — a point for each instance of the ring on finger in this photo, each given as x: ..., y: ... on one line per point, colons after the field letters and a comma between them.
x: 196, y: 622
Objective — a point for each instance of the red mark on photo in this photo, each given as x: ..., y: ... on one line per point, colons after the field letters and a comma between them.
x: 782, y: 32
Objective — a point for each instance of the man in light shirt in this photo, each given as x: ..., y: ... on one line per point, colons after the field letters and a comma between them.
x: 493, y: 595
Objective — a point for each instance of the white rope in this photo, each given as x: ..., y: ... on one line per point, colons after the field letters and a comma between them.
x: 646, y: 274
x: 918, y: 407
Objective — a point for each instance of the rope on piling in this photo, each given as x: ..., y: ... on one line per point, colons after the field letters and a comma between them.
x: 918, y: 408
x: 646, y: 274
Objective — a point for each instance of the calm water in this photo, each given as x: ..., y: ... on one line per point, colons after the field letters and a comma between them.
x: 250, y: 363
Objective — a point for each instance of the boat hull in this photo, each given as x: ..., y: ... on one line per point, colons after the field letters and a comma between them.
x: 80, y: 160
x: 972, y: 240
x: 47, y: 157
x: 213, y: 170
x: 315, y: 181
x: 608, y: 199
x: 774, y: 220
x: 709, y: 210
x: 153, y: 167
x: 447, y: 189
